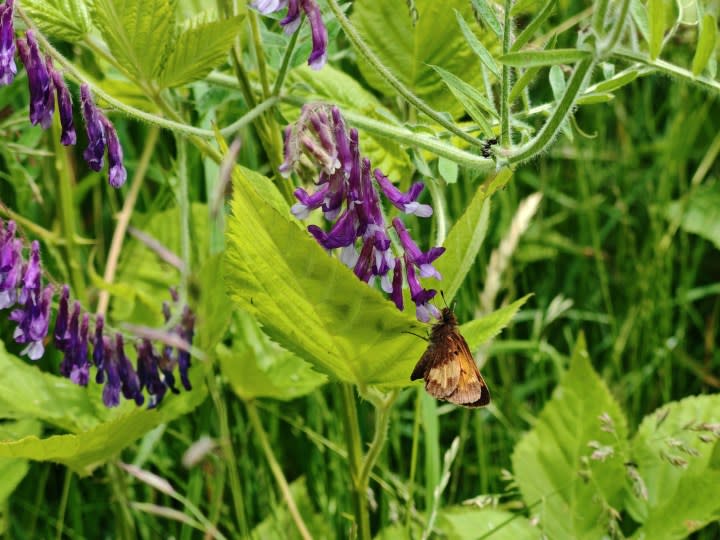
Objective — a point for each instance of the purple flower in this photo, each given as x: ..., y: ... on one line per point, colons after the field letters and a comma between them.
x: 147, y: 369
x: 351, y: 201
x: 10, y: 265
x: 64, y: 100
x: 62, y: 334
x: 291, y: 22
x: 424, y: 310
x: 130, y: 381
x: 95, y: 150
x: 318, y: 56
x: 111, y: 390
x: 407, y: 202
x: 413, y: 254
x: 99, y: 347
x: 33, y: 319
x: 42, y: 99
x: 8, y: 69
x: 117, y: 173
x: 187, y: 332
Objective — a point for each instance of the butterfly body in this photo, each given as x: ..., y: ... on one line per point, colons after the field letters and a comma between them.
x: 448, y: 367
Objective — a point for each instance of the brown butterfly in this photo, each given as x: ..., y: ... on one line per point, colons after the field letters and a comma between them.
x: 448, y: 367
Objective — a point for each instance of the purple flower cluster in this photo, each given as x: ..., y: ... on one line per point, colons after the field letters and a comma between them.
x: 350, y: 200
x: 21, y: 287
x: 291, y: 22
x: 45, y: 83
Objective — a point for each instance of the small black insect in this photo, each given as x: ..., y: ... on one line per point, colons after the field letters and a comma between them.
x: 486, y: 153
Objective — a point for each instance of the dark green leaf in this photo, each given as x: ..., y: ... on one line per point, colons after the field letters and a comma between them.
x: 477, y: 46
x: 487, y: 15
x: 534, y: 26
x: 471, y: 99
x: 706, y: 43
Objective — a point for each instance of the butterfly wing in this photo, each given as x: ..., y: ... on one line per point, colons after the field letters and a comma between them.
x: 471, y: 390
x: 439, y: 367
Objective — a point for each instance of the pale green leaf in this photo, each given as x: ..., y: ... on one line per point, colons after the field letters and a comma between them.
x: 138, y: 33
x: 639, y: 14
x: 62, y: 19
x: 617, y: 81
x: 463, y: 523
x: 680, y: 499
x: 529, y: 31
x: 487, y: 15
x: 657, y: 18
x: 333, y: 86
x: 699, y: 213
x: 478, y: 331
x: 448, y: 170
x: 200, y: 47
x: 258, y: 368
x: 13, y: 470
x: 472, y: 100
x: 706, y: 43
x: 409, y: 50
x: 477, y: 46
x: 594, y: 98
x: 465, y: 238
x: 309, y: 302
x: 543, y: 58
x: 549, y: 459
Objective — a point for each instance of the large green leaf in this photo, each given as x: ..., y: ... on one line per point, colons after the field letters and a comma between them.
x: 12, y: 470
x: 466, y: 237
x: 551, y: 462
x: 256, y: 367
x: 679, y: 499
x: 408, y: 51
x: 86, y: 449
x: 137, y: 32
x: 200, y: 47
x: 63, y: 19
x: 463, y: 523
x: 699, y: 213
x: 334, y: 86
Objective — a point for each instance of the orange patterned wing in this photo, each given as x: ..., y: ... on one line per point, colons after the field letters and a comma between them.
x: 471, y: 390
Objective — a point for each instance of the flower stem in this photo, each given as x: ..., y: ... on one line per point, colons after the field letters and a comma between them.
x: 357, y: 41
x: 505, y: 135
x: 63, y: 504
x: 124, y: 218
x: 355, y: 457
x: 276, y: 470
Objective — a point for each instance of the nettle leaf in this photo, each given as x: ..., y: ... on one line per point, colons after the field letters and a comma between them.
x: 310, y: 303
x: 13, y: 470
x: 63, y: 19
x: 465, y: 238
x: 137, y: 32
x: 680, y: 499
x: 334, y: 86
x: 408, y: 51
x: 463, y: 523
x: 549, y: 461
x: 200, y: 47
x: 699, y: 213
x: 258, y: 368
x: 479, y: 331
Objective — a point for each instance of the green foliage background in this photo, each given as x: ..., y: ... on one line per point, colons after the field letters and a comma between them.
x: 605, y: 417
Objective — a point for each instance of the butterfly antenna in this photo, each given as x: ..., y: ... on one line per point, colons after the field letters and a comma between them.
x: 414, y: 334
x: 442, y: 293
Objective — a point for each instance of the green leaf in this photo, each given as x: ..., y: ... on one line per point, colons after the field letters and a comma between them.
x: 680, y: 500
x: 201, y: 47
x: 258, y: 368
x: 138, y: 33
x: 27, y: 392
x: 617, y: 81
x: 551, y: 462
x: 465, y: 238
x: 472, y: 100
x: 86, y: 449
x: 334, y: 86
x: 310, y: 303
x: 699, y: 213
x: 543, y: 58
x: 478, y: 331
x: 657, y: 22
x: 594, y: 98
x: 448, y: 170
x: 477, y: 46
x: 639, y: 14
x: 487, y: 16
x: 463, y: 523
x: 534, y: 26
x: 13, y: 470
x: 706, y: 43
x: 409, y: 50
x: 213, y: 317
x: 63, y: 19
